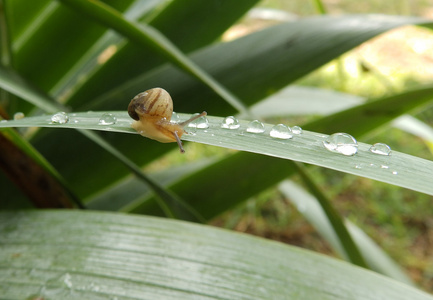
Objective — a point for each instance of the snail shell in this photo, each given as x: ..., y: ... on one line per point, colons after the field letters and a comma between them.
x: 152, y: 112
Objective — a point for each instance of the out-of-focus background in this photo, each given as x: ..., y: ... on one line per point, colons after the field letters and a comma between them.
x: 399, y: 220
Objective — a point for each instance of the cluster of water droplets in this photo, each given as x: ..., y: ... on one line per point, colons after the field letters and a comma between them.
x: 346, y: 144
x: 63, y: 118
x: 341, y: 143
x: 279, y: 131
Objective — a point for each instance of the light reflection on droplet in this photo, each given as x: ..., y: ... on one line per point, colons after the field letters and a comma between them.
x: 230, y: 122
x: 201, y: 123
x: 175, y: 118
x: 59, y: 118
x: 381, y: 149
x: 296, y: 130
x: 256, y: 127
x: 19, y: 116
x: 281, y: 131
x: 107, y: 119
x: 342, y: 143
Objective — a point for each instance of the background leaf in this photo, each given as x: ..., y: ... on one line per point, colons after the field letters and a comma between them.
x: 132, y: 257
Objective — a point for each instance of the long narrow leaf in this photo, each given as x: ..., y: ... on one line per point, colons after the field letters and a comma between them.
x: 373, y: 114
x: 189, y: 24
x: 106, y: 255
x: 334, y: 219
x: 149, y: 37
x: 96, y: 56
x: 398, y: 168
x: 309, y: 207
x: 264, y: 61
x: 13, y: 83
x: 171, y: 204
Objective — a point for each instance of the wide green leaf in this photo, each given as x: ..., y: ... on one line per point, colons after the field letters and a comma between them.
x: 108, y: 256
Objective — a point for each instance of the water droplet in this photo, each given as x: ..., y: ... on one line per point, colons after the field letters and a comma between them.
x: 57, y: 287
x: 107, y: 119
x: 59, y: 118
x: 281, y: 131
x: 201, y: 123
x: 342, y: 143
x: 19, y: 116
x: 380, y: 148
x: 93, y: 287
x: 394, y: 173
x: 296, y: 130
x: 358, y: 167
x: 67, y: 280
x: 384, y: 167
x: 256, y: 127
x: 174, y: 118
x: 230, y: 122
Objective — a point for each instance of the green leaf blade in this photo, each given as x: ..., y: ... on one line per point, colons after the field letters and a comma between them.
x: 398, y: 168
x: 148, y: 36
x: 132, y: 257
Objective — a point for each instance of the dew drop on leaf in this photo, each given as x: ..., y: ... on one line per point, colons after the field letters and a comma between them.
x: 201, y: 123
x: 381, y: 149
x: 342, y: 143
x: 281, y: 131
x: 59, y: 118
x: 107, y: 119
x: 296, y: 130
x: 230, y: 122
x: 19, y: 116
x: 256, y: 127
x: 174, y: 118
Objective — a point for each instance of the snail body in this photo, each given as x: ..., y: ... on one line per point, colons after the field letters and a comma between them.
x: 152, y: 110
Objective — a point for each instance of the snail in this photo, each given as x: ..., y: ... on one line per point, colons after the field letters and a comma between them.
x: 152, y: 110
